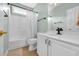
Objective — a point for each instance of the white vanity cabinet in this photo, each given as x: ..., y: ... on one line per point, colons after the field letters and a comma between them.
x: 49, y: 46
x: 58, y: 48
x: 42, y: 45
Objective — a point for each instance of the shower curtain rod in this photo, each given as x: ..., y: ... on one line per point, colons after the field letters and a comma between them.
x: 23, y: 7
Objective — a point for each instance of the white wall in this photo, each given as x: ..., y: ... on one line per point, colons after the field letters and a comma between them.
x: 43, y: 12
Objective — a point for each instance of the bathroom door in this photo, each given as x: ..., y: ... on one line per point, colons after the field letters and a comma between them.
x: 3, y: 33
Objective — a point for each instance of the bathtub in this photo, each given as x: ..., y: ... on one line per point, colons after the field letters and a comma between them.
x: 17, y: 43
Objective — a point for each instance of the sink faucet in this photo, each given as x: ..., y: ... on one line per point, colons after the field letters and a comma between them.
x: 59, y: 29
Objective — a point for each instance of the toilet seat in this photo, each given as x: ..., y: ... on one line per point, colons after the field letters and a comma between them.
x: 32, y: 44
x: 32, y: 41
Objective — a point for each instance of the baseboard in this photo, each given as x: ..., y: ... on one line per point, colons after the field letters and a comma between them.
x: 17, y: 44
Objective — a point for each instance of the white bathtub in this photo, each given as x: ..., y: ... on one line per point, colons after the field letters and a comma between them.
x: 17, y: 43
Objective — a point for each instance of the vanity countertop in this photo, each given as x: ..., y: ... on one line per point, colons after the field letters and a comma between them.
x: 68, y: 37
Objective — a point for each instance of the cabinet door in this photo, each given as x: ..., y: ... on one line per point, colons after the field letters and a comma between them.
x: 41, y: 45
x: 58, y: 48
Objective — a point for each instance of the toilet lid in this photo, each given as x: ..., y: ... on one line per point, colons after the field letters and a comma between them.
x: 33, y: 40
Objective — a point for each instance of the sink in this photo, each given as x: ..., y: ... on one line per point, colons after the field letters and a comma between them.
x: 53, y: 33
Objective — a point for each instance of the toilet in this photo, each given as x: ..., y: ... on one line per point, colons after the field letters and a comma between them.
x: 32, y: 40
x: 32, y: 44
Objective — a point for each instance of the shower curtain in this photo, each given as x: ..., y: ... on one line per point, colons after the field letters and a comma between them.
x: 22, y: 27
x: 31, y: 24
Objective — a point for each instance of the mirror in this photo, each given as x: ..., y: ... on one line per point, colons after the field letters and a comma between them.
x: 77, y: 22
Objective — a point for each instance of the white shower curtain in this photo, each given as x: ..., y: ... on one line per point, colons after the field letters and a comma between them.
x: 22, y: 27
x: 31, y: 24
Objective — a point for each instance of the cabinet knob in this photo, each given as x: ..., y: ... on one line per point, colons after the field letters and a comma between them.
x: 46, y: 41
x: 49, y: 43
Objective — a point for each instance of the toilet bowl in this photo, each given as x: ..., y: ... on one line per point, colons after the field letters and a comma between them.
x: 32, y: 44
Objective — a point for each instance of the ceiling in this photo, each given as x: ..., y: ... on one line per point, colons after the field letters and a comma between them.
x: 32, y: 5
